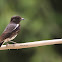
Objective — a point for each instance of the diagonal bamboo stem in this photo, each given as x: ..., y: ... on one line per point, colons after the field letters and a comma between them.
x: 31, y: 44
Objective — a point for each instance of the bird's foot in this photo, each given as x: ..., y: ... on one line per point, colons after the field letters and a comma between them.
x: 7, y: 44
x: 13, y: 42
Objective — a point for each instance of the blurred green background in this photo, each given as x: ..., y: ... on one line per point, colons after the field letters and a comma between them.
x: 43, y: 21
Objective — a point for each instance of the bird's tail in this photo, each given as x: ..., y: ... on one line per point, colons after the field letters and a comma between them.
x: 1, y: 43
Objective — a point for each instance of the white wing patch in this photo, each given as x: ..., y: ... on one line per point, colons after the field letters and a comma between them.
x: 16, y: 26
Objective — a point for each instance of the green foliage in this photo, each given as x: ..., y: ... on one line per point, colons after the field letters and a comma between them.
x: 42, y: 21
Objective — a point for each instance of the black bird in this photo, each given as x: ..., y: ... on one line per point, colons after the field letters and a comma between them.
x: 12, y: 30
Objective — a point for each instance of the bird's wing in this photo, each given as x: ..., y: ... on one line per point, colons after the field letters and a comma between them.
x: 10, y: 28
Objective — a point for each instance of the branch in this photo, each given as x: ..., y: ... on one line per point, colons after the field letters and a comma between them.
x: 31, y: 44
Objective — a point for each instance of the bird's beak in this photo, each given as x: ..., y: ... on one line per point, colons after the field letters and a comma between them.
x: 22, y: 18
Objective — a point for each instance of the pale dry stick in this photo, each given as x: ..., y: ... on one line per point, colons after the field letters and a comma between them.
x: 31, y: 44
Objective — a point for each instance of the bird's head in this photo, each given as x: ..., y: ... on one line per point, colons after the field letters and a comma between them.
x: 16, y: 19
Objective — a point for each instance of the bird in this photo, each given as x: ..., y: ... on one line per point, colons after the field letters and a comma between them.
x: 11, y: 31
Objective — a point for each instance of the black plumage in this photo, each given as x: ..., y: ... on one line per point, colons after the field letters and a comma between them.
x: 12, y: 30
